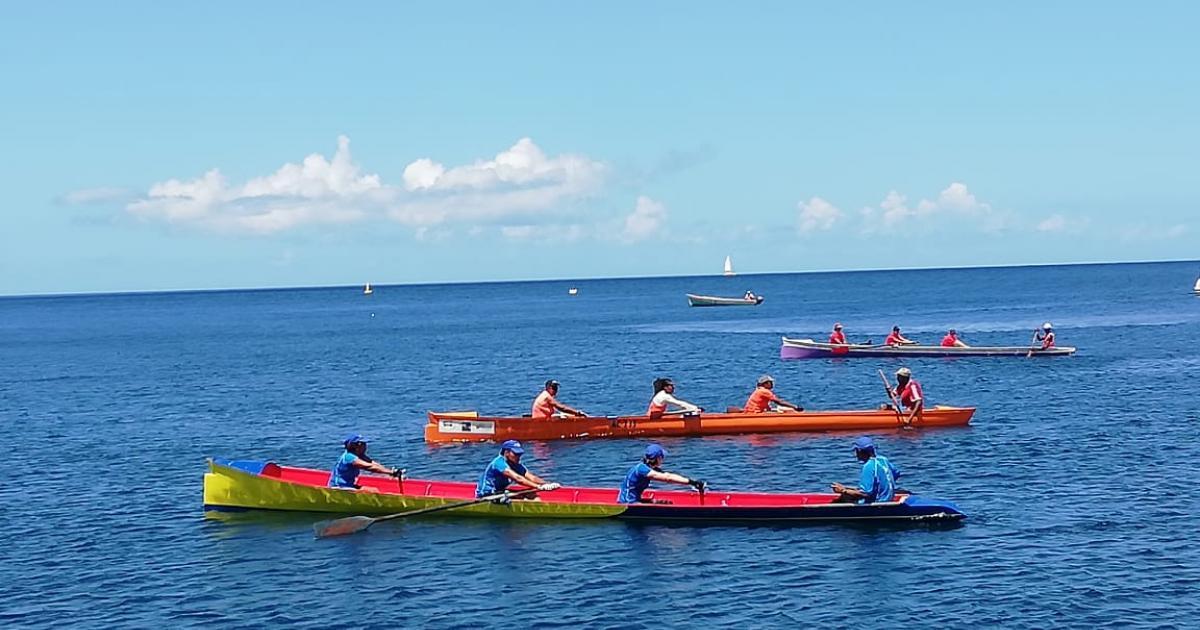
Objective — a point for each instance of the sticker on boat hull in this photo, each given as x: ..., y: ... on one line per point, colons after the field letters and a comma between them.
x: 467, y: 426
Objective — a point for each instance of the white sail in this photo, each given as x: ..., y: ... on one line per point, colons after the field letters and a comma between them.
x: 367, y: 290
x: 728, y: 266
x: 1197, y: 287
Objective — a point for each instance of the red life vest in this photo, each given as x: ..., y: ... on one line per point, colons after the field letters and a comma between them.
x: 837, y: 337
x: 911, y: 394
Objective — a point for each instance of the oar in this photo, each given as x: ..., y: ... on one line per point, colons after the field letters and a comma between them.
x: 355, y: 524
x: 887, y: 386
x: 1032, y: 341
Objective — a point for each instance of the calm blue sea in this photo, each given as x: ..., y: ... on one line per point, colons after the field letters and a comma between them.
x: 1079, y: 474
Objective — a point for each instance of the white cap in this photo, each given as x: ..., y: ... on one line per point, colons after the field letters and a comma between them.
x: 1047, y: 326
x: 904, y: 372
x: 765, y: 378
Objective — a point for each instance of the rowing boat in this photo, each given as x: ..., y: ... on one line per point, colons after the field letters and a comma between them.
x: 809, y: 349
x: 469, y: 426
x: 711, y: 300
x: 242, y: 485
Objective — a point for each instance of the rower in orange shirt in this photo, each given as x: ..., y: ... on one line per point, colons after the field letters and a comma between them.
x: 896, y: 339
x: 1046, y: 336
x: 836, y: 337
x: 764, y: 395
x: 951, y: 340
x: 545, y: 405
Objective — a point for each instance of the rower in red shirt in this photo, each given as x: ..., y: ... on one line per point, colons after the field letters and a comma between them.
x: 545, y: 405
x: 836, y: 337
x: 908, y: 391
x: 951, y: 340
x: 1046, y: 336
x: 760, y: 401
x: 896, y: 339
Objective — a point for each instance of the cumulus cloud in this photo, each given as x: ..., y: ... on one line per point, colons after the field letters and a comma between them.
x: 647, y: 220
x: 520, y: 182
x: 956, y: 200
x: 817, y: 214
x: 1052, y: 223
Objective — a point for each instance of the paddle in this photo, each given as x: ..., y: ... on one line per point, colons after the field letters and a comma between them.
x: 887, y: 386
x: 1032, y: 341
x: 355, y: 524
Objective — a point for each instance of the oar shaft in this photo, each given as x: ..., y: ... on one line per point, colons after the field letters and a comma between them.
x: 451, y: 506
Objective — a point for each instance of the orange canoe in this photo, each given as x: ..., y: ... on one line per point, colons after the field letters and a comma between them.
x: 469, y: 426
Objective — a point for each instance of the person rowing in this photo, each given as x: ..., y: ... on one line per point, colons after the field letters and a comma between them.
x: 876, y: 482
x: 749, y: 296
x: 507, y: 469
x: 1046, y: 336
x: 908, y: 392
x: 638, y: 479
x: 897, y: 339
x: 353, y: 461
x: 837, y: 337
x: 951, y: 340
x: 664, y: 397
x: 763, y: 397
x: 546, y: 405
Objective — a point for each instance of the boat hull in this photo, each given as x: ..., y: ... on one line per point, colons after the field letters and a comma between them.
x: 471, y: 427
x: 809, y: 349
x: 710, y: 300
x: 244, y: 485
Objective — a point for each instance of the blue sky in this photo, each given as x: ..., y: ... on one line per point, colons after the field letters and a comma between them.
x: 151, y: 146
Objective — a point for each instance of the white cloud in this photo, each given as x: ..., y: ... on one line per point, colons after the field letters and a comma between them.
x: 555, y: 233
x: 817, y: 214
x: 1052, y: 223
x: 647, y: 220
x: 103, y: 194
x: 521, y: 182
x: 953, y: 201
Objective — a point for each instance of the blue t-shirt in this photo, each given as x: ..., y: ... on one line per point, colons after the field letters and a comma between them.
x: 345, y: 473
x: 878, y: 480
x: 493, y: 480
x: 636, y: 482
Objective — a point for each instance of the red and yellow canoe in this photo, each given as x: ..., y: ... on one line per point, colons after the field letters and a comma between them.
x: 469, y: 426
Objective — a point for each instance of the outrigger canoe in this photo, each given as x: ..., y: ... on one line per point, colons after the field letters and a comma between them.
x: 809, y: 349
x: 710, y: 300
x: 469, y: 426
x: 242, y: 485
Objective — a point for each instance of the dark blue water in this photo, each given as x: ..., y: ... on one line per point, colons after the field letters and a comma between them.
x: 1079, y: 474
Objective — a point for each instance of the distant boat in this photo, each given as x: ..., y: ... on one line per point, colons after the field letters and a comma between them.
x: 729, y: 267
x: 1196, y: 288
x: 367, y: 290
x: 572, y: 291
x: 712, y: 300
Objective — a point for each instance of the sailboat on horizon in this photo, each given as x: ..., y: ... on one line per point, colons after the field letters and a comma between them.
x: 367, y: 290
x: 729, y: 267
x: 1196, y: 288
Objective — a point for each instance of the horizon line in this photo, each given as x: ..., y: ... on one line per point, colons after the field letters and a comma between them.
x: 591, y: 279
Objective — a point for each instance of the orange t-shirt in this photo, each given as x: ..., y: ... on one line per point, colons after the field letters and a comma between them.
x: 543, y: 405
x: 757, y: 403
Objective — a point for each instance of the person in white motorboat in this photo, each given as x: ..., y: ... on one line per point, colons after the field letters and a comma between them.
x: 750, y: 297
x: 664, y: 396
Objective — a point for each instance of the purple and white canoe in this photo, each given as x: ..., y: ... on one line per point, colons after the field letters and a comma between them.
x: 809, y: 349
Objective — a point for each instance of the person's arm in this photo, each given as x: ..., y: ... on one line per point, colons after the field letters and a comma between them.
x: 530, y: 480
x: 669, y: 477
x: 783, y: 403
x: 565, y: 409
x: 918, y: 407
x: 374, y: 466
x: 847, y: 491
x: 683, y: 405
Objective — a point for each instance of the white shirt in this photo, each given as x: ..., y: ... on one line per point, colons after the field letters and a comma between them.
x: 663, y: 398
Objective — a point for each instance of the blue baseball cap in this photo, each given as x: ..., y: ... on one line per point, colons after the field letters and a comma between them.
x: 654, y: 451
x: 512, y: 445
x: 355, y: 437
x: 864, y: 443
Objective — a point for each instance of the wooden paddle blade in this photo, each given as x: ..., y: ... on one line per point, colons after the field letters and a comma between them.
x: 342, y: 526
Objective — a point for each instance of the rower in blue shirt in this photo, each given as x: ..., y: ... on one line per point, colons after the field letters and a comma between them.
x: 353, y: 461
x: 877, y: 483
x: 505, y: 469
x: 638, y: 478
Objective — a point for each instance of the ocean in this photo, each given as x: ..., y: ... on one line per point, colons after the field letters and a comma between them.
x: 1078, y: 474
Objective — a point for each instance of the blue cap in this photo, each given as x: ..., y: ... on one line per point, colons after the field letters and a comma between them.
x: 512, y: 445
x: 864, y: 443
x: 654, y: 451
x: 355, y: 437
